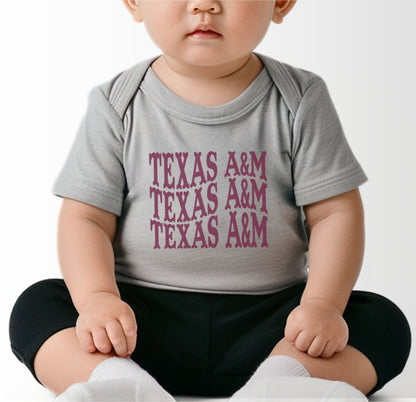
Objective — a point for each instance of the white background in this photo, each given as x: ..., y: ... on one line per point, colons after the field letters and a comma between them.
x: 53, y: 53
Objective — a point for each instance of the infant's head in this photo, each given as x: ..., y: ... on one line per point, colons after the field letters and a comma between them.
x: 240, y: 25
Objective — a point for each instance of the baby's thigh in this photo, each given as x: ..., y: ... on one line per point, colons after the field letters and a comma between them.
x: 245, y: 328
x: 172, y: 337
x: 243, y: 331
x: 207, y: 344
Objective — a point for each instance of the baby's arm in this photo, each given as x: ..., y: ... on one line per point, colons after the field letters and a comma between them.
x: 86, y: 258
x: 336, y: 251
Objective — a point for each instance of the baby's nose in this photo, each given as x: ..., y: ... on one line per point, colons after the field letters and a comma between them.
x: 196, y: 6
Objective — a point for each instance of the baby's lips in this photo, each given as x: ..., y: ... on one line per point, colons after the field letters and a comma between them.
x: 204, y: 27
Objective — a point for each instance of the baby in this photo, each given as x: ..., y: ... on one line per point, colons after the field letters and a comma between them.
x: 211, y: 230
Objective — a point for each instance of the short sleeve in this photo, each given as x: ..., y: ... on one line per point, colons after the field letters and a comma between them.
x: 323, y: 164
x: 93, y: 171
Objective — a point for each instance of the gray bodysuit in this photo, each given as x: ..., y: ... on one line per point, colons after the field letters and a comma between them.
x: 209, y: 199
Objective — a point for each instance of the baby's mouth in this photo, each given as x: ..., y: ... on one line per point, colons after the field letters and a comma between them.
x: 199, y: 34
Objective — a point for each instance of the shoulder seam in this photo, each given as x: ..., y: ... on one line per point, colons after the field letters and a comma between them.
x: 315, y: 79
x: 290, y: 84
x: 126, y: 85
x: 109, y: 102
x: 120, y: 85
x: 297, y: 94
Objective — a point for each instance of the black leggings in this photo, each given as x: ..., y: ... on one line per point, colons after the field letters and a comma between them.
x: 209, y: 344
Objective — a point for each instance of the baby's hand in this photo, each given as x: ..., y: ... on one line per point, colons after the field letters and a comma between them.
x: 318, y: 328
x: 105, y: 323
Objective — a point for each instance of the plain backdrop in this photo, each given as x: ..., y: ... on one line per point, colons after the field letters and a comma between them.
x: 53, y: 53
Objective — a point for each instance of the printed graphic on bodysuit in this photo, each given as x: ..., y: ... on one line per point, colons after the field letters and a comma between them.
x: 186, y: 207
x: 246, y: 202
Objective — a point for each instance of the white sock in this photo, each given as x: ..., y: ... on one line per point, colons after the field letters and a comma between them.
x: 117, y: 367
x: 284, y: 379
x: 281, y: 366
x: 117, y: 379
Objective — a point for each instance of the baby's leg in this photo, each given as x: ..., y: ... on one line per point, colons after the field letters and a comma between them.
x: 43, y: 336
x: 378, y: 345
x: 63, y: 367
x: 349, y: 366
x: 376, y: 326
x: 61, y: 362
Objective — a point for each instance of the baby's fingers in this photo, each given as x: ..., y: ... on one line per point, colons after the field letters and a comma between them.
x: 292, y: 330
x: 130, y: 330
x: 304, y: 340
x: 86, y: 340
x: 117, y: 338
x: 329, y: 350
x: 101, y: 341
x: 317, y: 346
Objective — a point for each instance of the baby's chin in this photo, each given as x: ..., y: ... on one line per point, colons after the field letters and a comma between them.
x: 211, y: 61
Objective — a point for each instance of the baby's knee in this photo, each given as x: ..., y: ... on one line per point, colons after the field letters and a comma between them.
x: 41, y: 310
x: 392, y: 320
x: 33, y: 301
x: 380, y: 330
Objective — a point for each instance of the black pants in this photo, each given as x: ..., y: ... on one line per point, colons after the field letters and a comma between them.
x: 209, y: 344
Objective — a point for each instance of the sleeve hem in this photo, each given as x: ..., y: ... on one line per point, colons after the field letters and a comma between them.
x: 93, y: 196
x: 331, y: 187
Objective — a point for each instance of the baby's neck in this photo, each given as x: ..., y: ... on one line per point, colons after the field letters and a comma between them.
x: 215, y: 87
